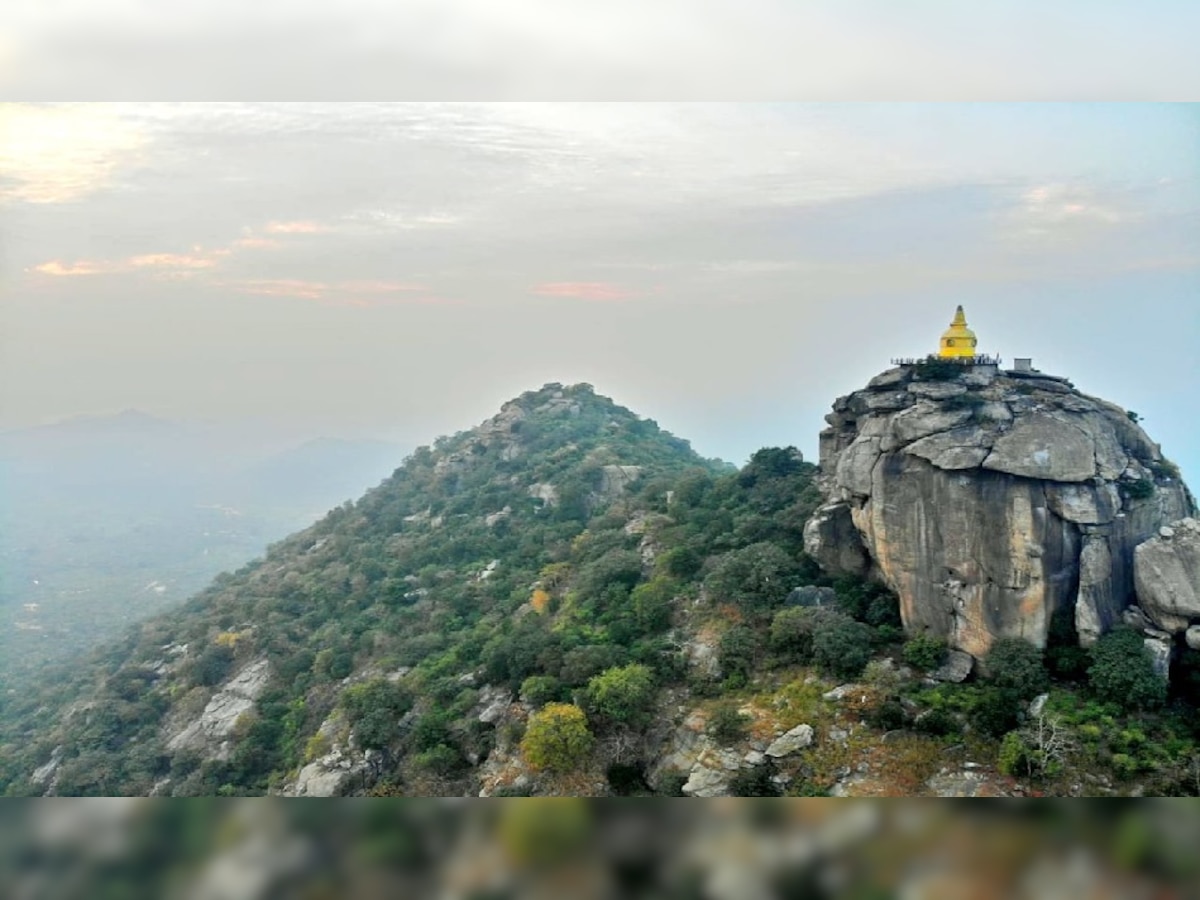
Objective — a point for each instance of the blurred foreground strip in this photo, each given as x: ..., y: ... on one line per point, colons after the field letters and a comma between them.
x: 566, y: 847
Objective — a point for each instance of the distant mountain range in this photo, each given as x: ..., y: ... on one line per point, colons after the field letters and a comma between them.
x: 110, y: 518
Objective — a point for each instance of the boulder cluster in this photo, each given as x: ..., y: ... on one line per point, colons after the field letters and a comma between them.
x: 991, y: 501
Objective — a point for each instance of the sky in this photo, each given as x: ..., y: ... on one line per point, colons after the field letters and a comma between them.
x: 399, y: 270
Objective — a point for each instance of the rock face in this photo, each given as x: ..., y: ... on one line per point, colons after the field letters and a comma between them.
x: 210, y: 733
x: 989, y: 501
x: 1166, y: 572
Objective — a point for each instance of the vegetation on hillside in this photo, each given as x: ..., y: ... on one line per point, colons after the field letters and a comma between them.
x: 571, y: 556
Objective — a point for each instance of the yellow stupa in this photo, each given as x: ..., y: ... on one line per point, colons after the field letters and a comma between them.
x: 958, y: 341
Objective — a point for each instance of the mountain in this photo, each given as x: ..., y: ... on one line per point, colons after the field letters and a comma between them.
x: 567, y: 600
x: 109, y: 519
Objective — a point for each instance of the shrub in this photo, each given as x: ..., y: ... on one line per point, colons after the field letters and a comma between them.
x: 933, y: 368
x: 756, y: 577
x: 538, y: 690
x: 792, y: 635
x: 887, y: 716
x: 1016, y: 666
x: 738, y: 650
x: 557, y: 738
x: 1013, y: 759
x: 726, y: 724
x: 937, y: 723
x: 1121, y: 671
x: 925, y: 652
x: 754, y: 782
x: 623, y: 695
x: 373, y: 709
x: 993, y: 711
x: 1142, y: 489
x: 841, y: 646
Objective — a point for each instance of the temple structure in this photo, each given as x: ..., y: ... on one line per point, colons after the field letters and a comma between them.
x: 958, y: 341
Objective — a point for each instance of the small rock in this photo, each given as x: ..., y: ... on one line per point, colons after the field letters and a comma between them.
x: 797, y: 739
x: 754, y: 758
x: 1166, y: 532
x: 704, y: 782
x: 840, y: 692
x: 838, y: 735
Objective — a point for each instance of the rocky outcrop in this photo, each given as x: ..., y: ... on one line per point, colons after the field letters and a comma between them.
x: 336, y: 766
x: 211, y: 732
x: 989, y: 501
x: 1166, y: 572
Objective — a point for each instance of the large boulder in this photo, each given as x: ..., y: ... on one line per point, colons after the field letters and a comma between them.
x: 990, y: 503
x: 1166, y: 572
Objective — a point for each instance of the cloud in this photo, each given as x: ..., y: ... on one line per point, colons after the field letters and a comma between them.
x: 362, y: 294
x: 584, y: 290
x: 60, y: 269
x: 171, y: 261
x: 1048, y: 209
x: 298, y: 227
x: 57, y: 154
x: 180, y: 264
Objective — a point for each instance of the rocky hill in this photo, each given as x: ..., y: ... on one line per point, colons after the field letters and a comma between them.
x: 991, y: 501
x: 567, y: 600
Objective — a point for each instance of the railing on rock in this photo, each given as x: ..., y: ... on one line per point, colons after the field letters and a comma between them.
x: 980, y: 360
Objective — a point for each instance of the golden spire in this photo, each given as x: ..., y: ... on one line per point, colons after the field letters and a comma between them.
x: 958, y: 341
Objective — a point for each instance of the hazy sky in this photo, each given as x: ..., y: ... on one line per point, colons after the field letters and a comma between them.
x: 400, y: 270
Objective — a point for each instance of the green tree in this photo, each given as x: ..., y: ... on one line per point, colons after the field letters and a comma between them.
x: 557, y: 738
x: 737, y: 652
x: 925, y: 652
x: 1018, y: 667
x: 374, y: 709
x: 792, y: 634
x: 757, y: 577
x: 1121, y: 671
x: 623, y: 695
x: 841, y: 646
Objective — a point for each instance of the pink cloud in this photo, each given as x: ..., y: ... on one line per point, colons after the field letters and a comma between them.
x: 297, y: 227
x: 252, y: 243
x: 171, y: 261
x: 360, y: 294
x: 584, y: 290
x: 73, y: 270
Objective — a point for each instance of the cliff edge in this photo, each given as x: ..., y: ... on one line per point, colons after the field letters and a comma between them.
x: 990, y: 500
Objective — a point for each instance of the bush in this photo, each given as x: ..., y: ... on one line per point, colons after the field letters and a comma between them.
x: 937, y: 723
x: 726, y: 724
x: 757, y: 577
x: 841, y: 646
x: 792, y: 635
x: 623, y: 695
x: 887, y: 716
x: 1016, y: 666
x: 754, y: 782
x: 993, y: 711
x: 557, y: 738
x: 1121, y: 672
x: 738, y: 651
x: 538, y: 690
x: 925, y: 652
x: 373, y: 709
x: 1142, y: 489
